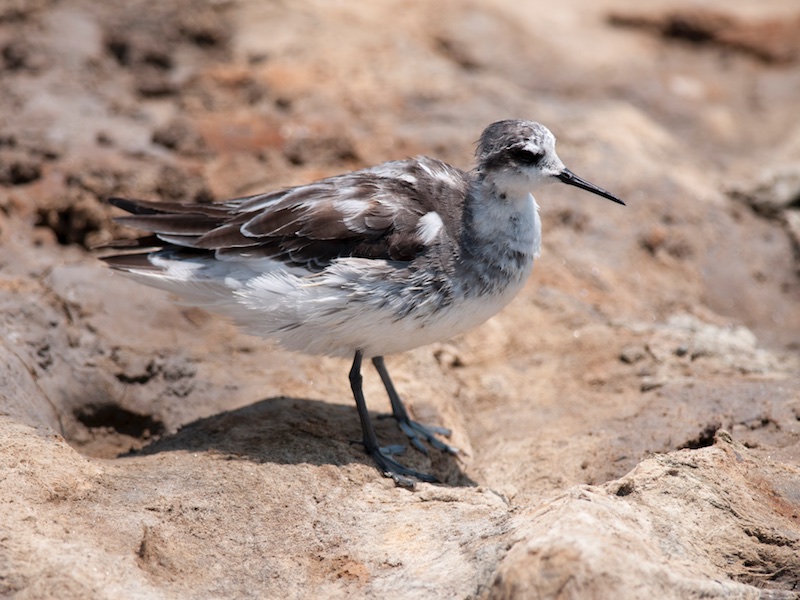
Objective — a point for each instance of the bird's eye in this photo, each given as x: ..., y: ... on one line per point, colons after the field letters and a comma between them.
x: 526, y: 157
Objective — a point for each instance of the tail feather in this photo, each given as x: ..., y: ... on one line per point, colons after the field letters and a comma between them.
x: 186, y: 224
x: 150, y: 207
x: 136, y: 207
x: 130, y: 262
x: 148, y: 241
x: 171, y: 226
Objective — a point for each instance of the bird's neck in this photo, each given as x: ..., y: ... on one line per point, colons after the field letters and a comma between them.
x: 501, y: 233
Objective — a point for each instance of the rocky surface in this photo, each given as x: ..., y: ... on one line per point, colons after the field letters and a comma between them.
x: 631, y: 423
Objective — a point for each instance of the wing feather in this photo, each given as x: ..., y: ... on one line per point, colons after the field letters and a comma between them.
x: 374, y: 213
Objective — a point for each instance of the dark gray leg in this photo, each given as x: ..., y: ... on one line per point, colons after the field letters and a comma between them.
x: 388, y: 466
x: 416, y: 432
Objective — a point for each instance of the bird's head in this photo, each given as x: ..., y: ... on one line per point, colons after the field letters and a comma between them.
x: 519, y: 156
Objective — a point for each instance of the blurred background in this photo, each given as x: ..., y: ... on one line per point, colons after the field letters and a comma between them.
x: 644, y: 329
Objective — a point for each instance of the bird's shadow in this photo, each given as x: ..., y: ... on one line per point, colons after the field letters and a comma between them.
x: 295, y: 431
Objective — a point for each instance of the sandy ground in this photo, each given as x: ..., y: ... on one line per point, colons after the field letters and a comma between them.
x: 630, y: 423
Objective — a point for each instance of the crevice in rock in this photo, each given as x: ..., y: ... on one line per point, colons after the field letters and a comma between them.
x: 122, y: 421
x: 704, y: 439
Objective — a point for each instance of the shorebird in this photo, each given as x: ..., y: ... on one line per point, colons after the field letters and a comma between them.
x: 365, y: 264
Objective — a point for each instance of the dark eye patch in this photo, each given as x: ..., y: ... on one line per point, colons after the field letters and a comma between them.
x: 526, y: 157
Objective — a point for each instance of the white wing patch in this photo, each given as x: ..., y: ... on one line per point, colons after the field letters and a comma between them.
x: 429, y: 226
x: 350, y: 207
x: 407, y: 177
x: 435, y: 171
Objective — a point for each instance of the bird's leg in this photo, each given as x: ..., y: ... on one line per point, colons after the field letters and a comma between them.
x: 388, y: 466
x: 416, y: 432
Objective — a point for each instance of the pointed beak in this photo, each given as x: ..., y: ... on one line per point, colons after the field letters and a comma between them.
x: 570, y: 178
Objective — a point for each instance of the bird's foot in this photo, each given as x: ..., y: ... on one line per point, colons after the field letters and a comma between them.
x: 393, y: 450
x: 417, y: 433
x: 401, y: 475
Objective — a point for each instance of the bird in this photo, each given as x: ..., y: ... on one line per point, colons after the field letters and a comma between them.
x: 364, y: 264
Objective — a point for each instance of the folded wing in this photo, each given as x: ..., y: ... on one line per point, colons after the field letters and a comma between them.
x: 377, y: 213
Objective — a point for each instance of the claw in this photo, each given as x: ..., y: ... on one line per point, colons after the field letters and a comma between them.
x: 393, y: 450
x: 417, y: 432
x: 400, y: 474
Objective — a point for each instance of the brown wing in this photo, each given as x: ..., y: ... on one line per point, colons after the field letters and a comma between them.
x: 373, y: 213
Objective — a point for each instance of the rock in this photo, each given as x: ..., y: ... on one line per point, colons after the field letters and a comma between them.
x: 630, y: 538
x: 151, y: 450
x: 772, y: 192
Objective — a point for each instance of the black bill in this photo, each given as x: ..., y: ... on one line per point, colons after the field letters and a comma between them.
x: 570, y: 178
